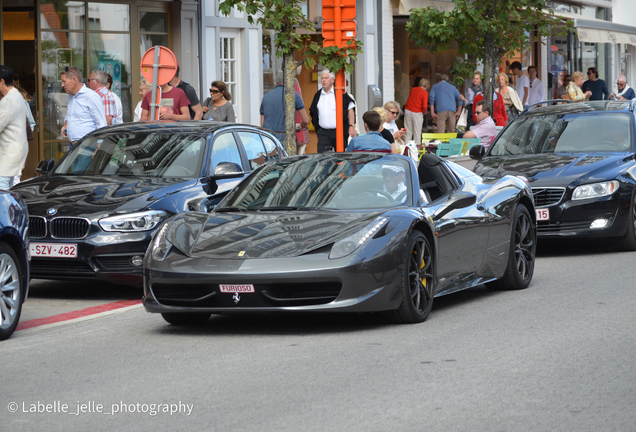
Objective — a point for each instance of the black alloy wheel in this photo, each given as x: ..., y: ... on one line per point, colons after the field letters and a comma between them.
x: 11, y: 277
x: 521, y: 258
x: 417, y: 282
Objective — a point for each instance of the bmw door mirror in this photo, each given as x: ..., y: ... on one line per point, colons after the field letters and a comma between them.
x: 228, y: 170
x: 477, y: 152
x: 44, y: 166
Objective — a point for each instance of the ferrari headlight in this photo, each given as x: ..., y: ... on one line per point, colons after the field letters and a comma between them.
x: 595, y: 190
x: 160, y: 246
x: 350, y: 244
x: 142, y: 221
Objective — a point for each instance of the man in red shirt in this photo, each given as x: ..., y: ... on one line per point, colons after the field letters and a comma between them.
x: 173, y: 106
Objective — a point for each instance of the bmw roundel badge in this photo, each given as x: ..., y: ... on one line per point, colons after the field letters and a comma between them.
x: 51, y: 211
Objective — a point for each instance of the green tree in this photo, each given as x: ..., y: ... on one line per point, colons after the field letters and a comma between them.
x: 484, y: 30
x: 285, y: 17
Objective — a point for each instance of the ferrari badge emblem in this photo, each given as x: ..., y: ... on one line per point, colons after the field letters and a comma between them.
x: 51, y: 211
x: 241, y: 253
x: 236, y: 297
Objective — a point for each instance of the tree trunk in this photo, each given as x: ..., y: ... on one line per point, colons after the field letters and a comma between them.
x: 289, y: 67
x: 489, y: 67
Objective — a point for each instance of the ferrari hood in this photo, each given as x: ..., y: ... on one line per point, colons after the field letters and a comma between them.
x: 264, y: 234
x: 555, y: 169
x: 91, y: 195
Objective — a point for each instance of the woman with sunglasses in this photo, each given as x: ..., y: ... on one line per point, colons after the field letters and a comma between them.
x: 218, y: 107
x: 392, y: 109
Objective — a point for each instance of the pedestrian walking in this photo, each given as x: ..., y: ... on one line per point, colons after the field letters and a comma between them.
x: 597, y: 86
x: 522, y: 83
x: 536, y: 89
x: 119, y: 118
x: 415, y: 110
x: 510, y: 97
x: 194, y: 107
x: 85, y: 108
x: 144, y: 87
x: 323, y: 114
x: 218, y: 107
x: 273, y: 108
x: 446, y: 105
x: 173, y: 104
x: 30, y: 121
x: 97, y: 82
x: 13, y: 134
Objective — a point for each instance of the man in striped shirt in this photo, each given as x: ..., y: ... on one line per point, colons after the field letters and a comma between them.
x: 97, y: 82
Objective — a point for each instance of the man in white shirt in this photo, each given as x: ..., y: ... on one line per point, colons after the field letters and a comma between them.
x: 522, y: 84
x: 323, y: 114
x: 85, y: 111
x: 536, y: 90
x: 13, y: 138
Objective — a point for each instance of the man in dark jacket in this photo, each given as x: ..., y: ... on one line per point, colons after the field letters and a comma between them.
x: 323, y: 114
x: 595, y: 85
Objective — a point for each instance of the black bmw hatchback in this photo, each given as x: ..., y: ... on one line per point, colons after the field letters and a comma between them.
x: 92, y: 215
x: 580, y: 160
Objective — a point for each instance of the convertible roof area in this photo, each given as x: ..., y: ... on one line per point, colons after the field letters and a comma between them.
x: 433, y: 177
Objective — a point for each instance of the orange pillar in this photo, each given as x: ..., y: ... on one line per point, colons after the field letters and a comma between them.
x: 339, y: 84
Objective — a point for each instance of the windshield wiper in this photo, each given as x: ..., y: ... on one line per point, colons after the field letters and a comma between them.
x: 287, y: 208
x: 228, y: 209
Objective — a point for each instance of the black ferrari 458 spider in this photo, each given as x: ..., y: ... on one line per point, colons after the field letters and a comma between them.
x: 347, y: 232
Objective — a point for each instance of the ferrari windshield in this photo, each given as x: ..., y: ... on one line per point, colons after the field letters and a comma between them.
x: 336, y: 181
x: 566, y: 133
x: 136, y: 153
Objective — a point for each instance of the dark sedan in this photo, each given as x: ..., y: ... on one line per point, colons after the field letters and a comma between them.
x: 94, y: 213
x: 14, y: 261
x: 580, y: 160
x: 343, y: 232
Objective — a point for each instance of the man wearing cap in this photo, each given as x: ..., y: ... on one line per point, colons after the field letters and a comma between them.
x: 622, y: 91
x: 372, y: 141
x: 393, y: 176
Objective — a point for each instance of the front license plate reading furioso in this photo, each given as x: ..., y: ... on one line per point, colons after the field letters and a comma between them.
x: 53, y: 250
x: 245, y: 288
x: 543, y: 214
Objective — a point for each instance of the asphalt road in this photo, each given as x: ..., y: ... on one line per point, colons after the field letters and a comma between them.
x: 558, y: 356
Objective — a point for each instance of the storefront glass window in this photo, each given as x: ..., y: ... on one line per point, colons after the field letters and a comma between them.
x: 228, y: 63
x: 59, y: 50
x: 56, y: 15
x: 153, y: 30
x: 108, y: 17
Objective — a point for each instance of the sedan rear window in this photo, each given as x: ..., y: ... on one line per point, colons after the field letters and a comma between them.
x: 155, y: 154
x: 566, y: 133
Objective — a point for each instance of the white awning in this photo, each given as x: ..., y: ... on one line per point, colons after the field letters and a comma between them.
x: 593, y: 30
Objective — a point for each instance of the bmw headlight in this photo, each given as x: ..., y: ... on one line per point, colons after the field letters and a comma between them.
x: 160, y: 245
x: 142, y: 221
x: 350, y: 244
x: 595, y: 190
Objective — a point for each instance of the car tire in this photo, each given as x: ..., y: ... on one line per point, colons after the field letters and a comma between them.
x: 521, y: 257
x: 418, y: 282
x: 186, y: 318
x: 11, y: 278
x: 627, y: 242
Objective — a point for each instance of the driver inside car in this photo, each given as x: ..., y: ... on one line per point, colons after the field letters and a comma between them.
x: 394, y: 181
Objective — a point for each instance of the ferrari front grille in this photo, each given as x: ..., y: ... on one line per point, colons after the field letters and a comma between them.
x: 69, y: 228
x: 544, y: 197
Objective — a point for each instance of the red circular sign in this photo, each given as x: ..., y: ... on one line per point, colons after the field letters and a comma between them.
x: 167, y: 62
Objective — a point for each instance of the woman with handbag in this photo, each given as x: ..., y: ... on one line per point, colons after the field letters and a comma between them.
x: 218, y: 107
x: 510, y: 97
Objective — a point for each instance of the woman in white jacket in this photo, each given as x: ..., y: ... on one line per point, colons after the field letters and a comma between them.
x: 510, y: 97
